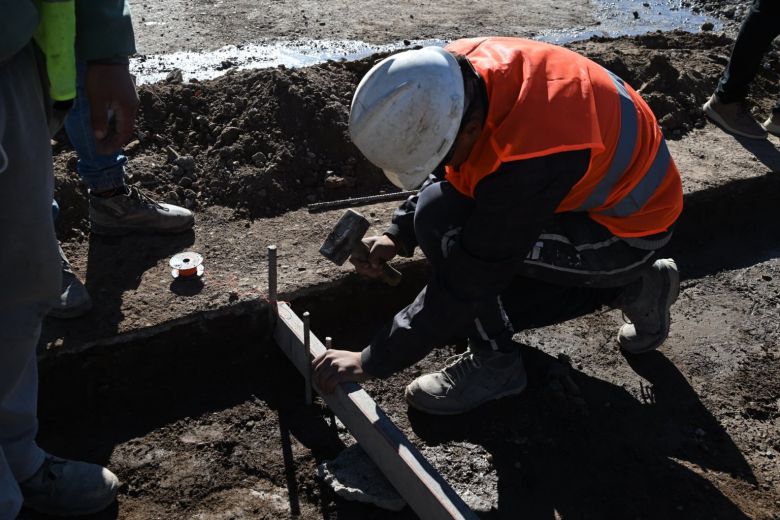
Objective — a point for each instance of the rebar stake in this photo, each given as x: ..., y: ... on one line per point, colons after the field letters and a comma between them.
x: 272, y: 275
x: 307, y: 356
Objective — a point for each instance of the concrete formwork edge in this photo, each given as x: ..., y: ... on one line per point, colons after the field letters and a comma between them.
x: 426, y: 492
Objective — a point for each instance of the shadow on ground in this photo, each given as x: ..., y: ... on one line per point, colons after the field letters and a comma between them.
x: 115, y: 265
x: 615, y: 457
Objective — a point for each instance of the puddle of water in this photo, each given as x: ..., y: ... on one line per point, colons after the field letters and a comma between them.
x: 631, y: 18
x: 296, y: 53
x: 616, y: 18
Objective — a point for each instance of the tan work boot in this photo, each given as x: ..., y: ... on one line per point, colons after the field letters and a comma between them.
x: 69, y: 488
x: 734, y: 118
x: 468, y: 380
x: 648, y: 312
x: 772, y: 125
x: 134, y: 211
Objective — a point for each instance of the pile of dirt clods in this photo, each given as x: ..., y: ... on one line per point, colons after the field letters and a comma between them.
x: 263, y: 142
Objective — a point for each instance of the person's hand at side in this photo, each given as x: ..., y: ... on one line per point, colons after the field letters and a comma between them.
x: 113, y: 103
x: 337, y: 366
x: 379, y: 250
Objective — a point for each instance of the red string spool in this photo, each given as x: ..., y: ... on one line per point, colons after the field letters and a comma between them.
x: 187, y: 265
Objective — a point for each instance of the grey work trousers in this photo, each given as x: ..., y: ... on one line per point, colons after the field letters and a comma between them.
x: 575, y: 267
x: 29, y: 267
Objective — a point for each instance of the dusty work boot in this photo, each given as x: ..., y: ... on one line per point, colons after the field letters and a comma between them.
x: 131, y: 211
x: 468, y: 380
x: 69, y: 488
x: 74, y: 299
x: 734, y: 118
x: 648, y: 311
x: 772, y: 125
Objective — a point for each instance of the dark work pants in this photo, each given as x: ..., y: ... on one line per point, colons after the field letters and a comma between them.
x: 760, y: 27
x: 575, y: 267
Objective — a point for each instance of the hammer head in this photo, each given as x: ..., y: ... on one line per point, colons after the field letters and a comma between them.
x: 346, y: 235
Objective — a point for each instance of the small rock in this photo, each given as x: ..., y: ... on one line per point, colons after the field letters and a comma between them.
x: 171, y: 153
x: 707, y: 26
x: 636, y: 15
x: 186, y: 163
x: 175, y: 76
x: 766, y: 278
x: 334, y: 182
x: 132, y: 146
x: 225, y: 64
x: 232, y: 297
x: 259, y: 159
x: 185, y: 182
x: 228, y: 136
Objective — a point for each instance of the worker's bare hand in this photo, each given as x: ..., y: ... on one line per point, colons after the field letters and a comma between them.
x: 381, y: 249
x: 337, y: 366
x: 113, y: 103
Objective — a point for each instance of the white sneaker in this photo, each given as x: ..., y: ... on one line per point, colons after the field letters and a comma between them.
x: 69, y: 488
x: 733, y: 118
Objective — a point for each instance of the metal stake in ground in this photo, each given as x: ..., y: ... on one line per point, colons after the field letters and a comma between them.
x: 307, y: 353
x: 272, y: 276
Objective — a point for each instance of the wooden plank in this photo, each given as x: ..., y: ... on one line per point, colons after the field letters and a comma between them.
x: 426, y: 492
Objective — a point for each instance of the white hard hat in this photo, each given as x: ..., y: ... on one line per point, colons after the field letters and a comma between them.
x: 406, y: 113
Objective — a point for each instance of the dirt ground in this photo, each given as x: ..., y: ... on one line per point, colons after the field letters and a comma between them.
x: 178, y: 388
x: 198, y: 25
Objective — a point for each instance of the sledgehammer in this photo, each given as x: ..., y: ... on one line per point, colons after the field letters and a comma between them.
x: 346, y: 240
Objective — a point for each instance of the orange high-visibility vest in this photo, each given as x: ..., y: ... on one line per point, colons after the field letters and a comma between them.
x: 544, y: 99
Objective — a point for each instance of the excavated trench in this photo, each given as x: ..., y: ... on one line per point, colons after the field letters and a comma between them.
x: 202, y: 414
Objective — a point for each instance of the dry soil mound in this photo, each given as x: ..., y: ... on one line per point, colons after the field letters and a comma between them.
x: 263, y: 142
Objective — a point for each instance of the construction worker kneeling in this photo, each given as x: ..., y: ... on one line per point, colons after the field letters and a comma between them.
x: 551, y: 190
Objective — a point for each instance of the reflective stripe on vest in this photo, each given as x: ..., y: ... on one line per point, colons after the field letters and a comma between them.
x: 623, y: 153
x: 642, y: 192
x: 626, y: 143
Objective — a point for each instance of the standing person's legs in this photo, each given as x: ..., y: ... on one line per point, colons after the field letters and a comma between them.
x: 760, y: 27
x: 114, y: 207
x: 725, y: 107
x: 99, y: 172
x: 29, y: 282
x: 19, y: 332
x: 29, y: 277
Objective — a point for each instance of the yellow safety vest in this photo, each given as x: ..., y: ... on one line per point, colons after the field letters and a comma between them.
x: 56, y: 37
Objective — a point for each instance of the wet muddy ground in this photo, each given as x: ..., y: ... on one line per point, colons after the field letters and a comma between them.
x: 206, y: 419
